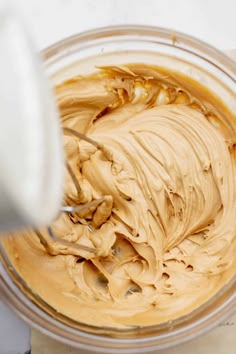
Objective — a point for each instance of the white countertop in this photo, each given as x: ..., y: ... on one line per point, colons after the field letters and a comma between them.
x: 52, y: 20
x: 210, y: 20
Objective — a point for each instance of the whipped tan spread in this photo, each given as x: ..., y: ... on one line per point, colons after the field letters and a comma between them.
x: 164, y: 233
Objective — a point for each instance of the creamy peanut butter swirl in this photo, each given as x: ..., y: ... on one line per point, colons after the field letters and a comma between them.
x: 165, y: 231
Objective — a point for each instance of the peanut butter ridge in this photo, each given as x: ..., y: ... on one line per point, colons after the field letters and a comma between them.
x: 165, y: 232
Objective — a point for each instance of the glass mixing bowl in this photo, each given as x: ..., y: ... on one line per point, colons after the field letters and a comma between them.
x: 79, y: 55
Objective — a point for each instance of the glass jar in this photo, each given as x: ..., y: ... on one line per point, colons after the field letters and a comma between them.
x: 79, y: 55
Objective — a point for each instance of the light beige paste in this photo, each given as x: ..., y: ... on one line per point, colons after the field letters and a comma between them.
x: 165, y: 233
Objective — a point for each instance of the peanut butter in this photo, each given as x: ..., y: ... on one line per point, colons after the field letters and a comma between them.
x: 165, y: 231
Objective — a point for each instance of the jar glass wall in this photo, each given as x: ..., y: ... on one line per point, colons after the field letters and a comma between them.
x: 80, y: 55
